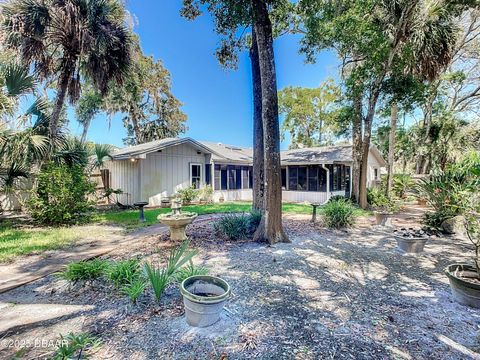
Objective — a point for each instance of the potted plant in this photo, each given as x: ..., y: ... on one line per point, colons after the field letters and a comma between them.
x: 465, y: 278
x: 410, y: 241
x: 383, y: 206
x: 204, y: 297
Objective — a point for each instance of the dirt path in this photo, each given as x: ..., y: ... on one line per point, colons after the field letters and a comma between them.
x: 327, y: 295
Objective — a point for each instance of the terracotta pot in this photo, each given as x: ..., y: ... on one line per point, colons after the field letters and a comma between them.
x: 463, y: 291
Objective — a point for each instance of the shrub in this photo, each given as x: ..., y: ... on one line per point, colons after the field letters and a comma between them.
x: 401, y: 184
x: 160, y: 277
x: 190, y: 270
x: 78, y: 346
x: 339, y: 214
x: 84, y: 270
x: 377, y: 198
x: 235, y: 226
x: 134, y: 289
x: 188, y: 194
x: 122, y: 273
x: 451, y: 193
x: 61, y: 195
x: 337, y: 197
x: 206, y: 193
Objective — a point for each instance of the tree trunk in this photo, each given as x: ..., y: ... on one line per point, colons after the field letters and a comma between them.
x: 356, y: 147
x: 271, y: 228
x: 367, y: 132
x: 137, y: 130
x: 62, y: 87
x: 258, y: 156
x: 86, y: 126
x: 391, y: 147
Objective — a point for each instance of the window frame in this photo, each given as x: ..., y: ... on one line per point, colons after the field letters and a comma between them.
x: 199, y: 175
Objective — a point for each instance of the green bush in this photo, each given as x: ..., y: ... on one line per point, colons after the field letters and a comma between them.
x: 452, y: 192
x: 188, y: 194
x: 206, y: 193
x: 76, y: 346
x: 134, y: 289
x: 401, y: 184
x: 377, y: 199
x: 61, y: 195
x: 337, y: 197
x: 189, y: 270
x: 235, y: 226
x: 159, y: 278
x: 339, y: 214
x: 84, y: 270
x: 122, y: 273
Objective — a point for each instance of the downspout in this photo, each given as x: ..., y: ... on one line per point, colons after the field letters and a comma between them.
x: 328, y: 181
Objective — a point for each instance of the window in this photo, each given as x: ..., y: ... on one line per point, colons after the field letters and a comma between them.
x: 284, y: 178
x: 195, y: 175
x: 292, y: 177
x: 375, y: 172
x: 337, y: 177
x: 208, y: 174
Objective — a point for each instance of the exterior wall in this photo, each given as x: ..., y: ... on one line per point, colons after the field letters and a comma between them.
x: 124, y: 175
x: 302, y: 196
x: 233, y: 195
x: 163, y: 173
x: 372, y: 165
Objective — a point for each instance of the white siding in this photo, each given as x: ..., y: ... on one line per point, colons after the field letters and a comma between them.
x: 233, y: 195
x: 372, y: 165
x: 302, y: 196
x: 124, y: 175
x: 163, y: 173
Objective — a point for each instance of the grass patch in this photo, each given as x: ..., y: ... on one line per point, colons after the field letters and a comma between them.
x: 25, y: 241
x: 129, y: 218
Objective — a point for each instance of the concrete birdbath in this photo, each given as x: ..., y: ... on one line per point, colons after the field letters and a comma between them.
x: 177, y: 221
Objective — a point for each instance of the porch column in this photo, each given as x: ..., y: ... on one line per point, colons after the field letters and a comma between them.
x: 212, y: 175
x: 328, y: 180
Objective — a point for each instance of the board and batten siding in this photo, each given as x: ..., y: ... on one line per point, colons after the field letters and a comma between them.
x: 124, y: 176
x: 165, y: 172
x: 157, y: 176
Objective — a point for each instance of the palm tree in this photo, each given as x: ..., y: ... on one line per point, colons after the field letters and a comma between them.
x: 65, y: 40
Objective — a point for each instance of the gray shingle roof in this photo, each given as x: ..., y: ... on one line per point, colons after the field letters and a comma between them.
x: 236, y: 154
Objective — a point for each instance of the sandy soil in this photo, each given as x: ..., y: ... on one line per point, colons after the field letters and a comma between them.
x: 327, y: 295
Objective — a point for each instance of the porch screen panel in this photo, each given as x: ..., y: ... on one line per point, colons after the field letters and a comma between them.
x: 313, y: 178
x: 302, y: 178
x: 216, y: 177
x: 208, y: 174
x: 245, y: 177
x: 292, y: 177
x: 238, y: 177
x: 284, y: 178
x: 322, y: 179
x: 231, y: 177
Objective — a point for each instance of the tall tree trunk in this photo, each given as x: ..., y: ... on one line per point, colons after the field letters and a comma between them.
x: 391, y: 147
x: 137, y: 130
x: 320, y: 129
x: 356, y: 147
x: 272, y: 220
x: 85, y: 126
x: 258, y: 154
x: 62, y: 87
x: 367, y: 134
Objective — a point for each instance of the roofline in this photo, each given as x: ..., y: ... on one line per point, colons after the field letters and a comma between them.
x: 179, y: 141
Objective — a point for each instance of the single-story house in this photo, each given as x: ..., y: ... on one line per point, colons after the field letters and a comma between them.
x: 156, y: 170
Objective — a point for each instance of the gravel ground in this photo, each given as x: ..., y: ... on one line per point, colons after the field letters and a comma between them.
x: 327, y: 295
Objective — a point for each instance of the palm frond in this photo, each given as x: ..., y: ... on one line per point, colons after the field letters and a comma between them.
x: 17, y: 80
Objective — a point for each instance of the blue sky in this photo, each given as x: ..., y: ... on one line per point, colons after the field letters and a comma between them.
x: 218, y: 102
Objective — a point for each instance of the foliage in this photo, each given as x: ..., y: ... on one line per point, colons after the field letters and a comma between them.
x: 401, y: 184
x: 84, y: 270
x: 188, y: 194
x: 311, y: 115
x: 238, y: 226
x: 69, y: 41
x: 336, y: 198
x: 76, y: 346
x: 123, y: 273
x: 159, y: 278
x: 134, y: 289
x: 151, y: 111
x: 190, y: 270
x: 61, y: 195
x: 378, y: 199
x: 452, y: 192
x: 472, y: 227
x: 206, y: 193
x: 339, y: 214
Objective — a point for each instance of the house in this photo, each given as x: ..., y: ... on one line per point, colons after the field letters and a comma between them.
x: 156, y: 170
